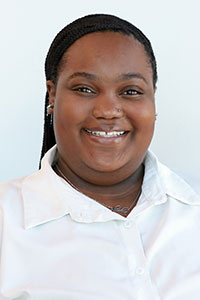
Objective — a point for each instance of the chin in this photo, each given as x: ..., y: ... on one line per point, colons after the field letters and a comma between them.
x: 105, y: 166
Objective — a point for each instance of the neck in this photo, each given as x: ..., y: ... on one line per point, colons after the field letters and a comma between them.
x: 122, y: 193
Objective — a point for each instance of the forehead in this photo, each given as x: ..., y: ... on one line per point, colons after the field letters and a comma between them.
x: 105, y: 52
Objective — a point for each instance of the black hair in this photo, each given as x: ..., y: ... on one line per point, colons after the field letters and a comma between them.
x: 67, y: 36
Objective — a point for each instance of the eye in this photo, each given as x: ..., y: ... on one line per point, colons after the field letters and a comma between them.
x: 83, y: 89
x: 131, y: 92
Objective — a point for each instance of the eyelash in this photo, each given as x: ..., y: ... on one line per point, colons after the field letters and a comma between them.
x: 135, y: 92
x: 86, y: 90
x: 81, y: 89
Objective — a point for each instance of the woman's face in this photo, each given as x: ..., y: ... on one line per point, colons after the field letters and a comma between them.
x: 104, y: 109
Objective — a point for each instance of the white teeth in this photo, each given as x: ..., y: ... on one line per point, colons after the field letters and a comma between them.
x: 106, y: 134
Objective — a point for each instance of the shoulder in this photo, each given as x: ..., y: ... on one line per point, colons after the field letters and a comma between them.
x: 10, y: 188
x: 172, y: 184
x: 11, y: 204
x: 13, y: 189
x: 11, y: 194
x: 174, y: 180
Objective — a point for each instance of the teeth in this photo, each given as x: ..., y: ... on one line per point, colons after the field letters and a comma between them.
x: 106, y: 134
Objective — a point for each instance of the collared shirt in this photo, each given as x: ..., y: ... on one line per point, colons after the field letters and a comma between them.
x: 59, y: 244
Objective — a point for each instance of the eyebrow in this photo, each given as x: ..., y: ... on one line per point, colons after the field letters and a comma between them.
x: 120, y: 78
x: 131, y: 75
x: 83, y: 74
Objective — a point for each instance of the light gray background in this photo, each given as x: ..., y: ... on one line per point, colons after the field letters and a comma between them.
x: 27, y: 29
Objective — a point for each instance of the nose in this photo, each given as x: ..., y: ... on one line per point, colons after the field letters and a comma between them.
x: 107, y: 107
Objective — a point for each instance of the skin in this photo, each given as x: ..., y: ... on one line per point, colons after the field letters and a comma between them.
x: 105, y: 83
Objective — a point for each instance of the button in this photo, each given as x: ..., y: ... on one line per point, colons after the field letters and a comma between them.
x: 128, y: 224
x: 139, y: 271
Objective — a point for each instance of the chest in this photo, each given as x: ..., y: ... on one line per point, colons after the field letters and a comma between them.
x: 135, y: 259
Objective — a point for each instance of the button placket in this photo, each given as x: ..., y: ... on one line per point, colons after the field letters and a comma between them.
x: 128, y: 224
x: 135, y: 253
x: 139, y: 271
x: 137, y: 264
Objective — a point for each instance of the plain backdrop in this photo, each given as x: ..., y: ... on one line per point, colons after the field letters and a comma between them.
x: 27, y: 29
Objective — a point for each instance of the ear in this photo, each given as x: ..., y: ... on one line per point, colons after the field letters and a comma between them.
x: 52, y: 92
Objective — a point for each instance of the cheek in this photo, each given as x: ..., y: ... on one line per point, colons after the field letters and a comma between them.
x: 142, y: 115
x: 69, y: 113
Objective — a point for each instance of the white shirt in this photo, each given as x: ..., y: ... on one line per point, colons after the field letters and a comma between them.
x: 57, y: 243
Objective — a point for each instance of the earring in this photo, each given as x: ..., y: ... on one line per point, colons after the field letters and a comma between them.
x: 156, y: 116
x: 50, y: 109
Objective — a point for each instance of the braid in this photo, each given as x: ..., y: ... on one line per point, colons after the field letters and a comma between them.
x: 67, y: 36
x: 49, y: 137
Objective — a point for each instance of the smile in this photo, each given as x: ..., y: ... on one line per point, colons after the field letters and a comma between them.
x: 109, y: 134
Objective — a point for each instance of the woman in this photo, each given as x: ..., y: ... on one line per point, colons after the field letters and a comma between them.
x: 102, y: 218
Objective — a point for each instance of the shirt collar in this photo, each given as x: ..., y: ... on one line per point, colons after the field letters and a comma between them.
x: 47, y: 197
x: 169, y: 182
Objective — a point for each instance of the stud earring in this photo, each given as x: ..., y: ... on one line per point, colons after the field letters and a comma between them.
x: 50, y: 109
x: 156, y: 116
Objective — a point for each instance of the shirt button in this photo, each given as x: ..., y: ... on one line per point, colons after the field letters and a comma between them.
x: 139, y: 271
x: 128, y: 224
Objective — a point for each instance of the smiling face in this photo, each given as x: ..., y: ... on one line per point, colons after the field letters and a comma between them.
x: 104, y: 110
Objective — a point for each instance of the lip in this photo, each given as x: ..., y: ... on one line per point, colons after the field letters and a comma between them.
x: 106, y: 128
x: 109, y: 139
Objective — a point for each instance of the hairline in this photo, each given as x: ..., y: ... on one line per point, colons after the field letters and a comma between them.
x: 63, y: 59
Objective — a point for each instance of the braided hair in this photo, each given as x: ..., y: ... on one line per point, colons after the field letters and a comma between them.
x: 67, y: 36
